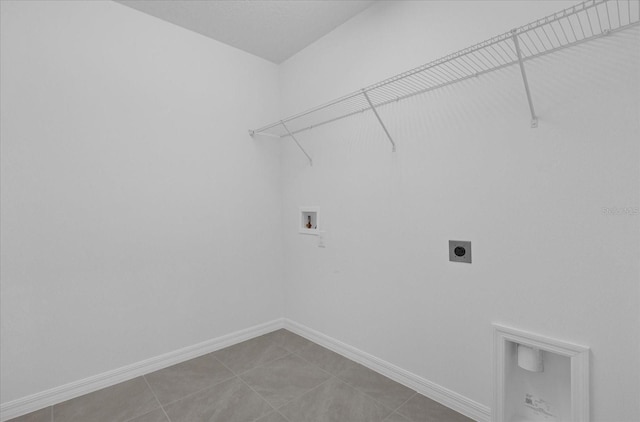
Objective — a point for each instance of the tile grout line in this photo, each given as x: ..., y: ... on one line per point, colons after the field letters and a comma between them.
x: 248, y: 386
x: 337, y: 376
x: 289, y: 353
x: 415, y: 392
x: 156, y: 397
x: 304, y: 394
x: 403, y: 403
x: 245, y: 383
x: 259, y: 395
x: 293, y: 399
x: 238, y: 374
x: 376, y: 400
x: 314, y: 364
x: 235, y: 375
x: 199, y: 391
x: 283, y: 416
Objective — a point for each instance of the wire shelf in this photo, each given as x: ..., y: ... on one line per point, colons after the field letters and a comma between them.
x: 582, y: 22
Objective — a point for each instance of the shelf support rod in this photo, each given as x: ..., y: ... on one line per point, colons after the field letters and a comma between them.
x: 534, y: 118
x: 393, y: 144
x: 297, y: 143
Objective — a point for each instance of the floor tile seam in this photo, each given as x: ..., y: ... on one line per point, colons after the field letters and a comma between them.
x: 283, y: 416
x: 395, y: 413
x: 415, y: 393
x: 288, y: 401
x: 314, y: 364
x: 296, y: 397
x: 259, y: 395
x: 337, y: 375
x: 391, y: 412
x: 304, y: 394
x: 222, y: 363
x: 239, y: 374
x: 156, y: 397
x: 295, y: 349
x: 367, y: 395
x: 373, y: 398
x: 290, y: 332
x: 290, y: 350
x: 51, y: 413
x: 274, y: 342
x: 289, y: 354
x: 198, y: 391
x: 233, y: 375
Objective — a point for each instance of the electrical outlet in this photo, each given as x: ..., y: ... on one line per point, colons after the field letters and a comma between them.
x: 460, y: 251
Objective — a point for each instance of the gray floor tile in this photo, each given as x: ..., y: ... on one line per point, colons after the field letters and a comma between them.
x: 42, y: 415
x: 120, y: 402
x: 284, y: 379
x: 381, y: 388
x: 272, y: 417
x: 153, y: 416
x: 324, y: 358
x: 304, y: 381
x: 422, y: 409
x: 178, y: 381
x: 229, y: 401
x: 288, y: 340
x: 249, y: 354
x: 334, y: 401
x: 396, y: 417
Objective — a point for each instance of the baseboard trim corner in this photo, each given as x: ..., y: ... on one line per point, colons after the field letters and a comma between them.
x: 451, y: 399
x: 28, y: 404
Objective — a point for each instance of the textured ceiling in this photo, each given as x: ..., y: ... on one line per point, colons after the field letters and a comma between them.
x: 274, y: 30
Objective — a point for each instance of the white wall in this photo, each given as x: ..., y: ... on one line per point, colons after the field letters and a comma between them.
x: 469, y: 167
x: 138, y: 217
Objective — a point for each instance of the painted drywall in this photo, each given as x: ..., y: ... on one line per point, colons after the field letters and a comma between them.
x: 138, y: 217
x: 546, y: 258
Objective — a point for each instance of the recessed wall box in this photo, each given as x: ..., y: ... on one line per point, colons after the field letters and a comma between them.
x: 460, y: 251
x: 553, y: 386
x: 309, y: 220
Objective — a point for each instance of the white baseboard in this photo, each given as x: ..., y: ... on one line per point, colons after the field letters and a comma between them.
x: 453, y: 400
x: 56, y: 395
x: 75, y: 389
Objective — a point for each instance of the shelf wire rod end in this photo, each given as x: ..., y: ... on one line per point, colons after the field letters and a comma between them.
x: 252, y: 132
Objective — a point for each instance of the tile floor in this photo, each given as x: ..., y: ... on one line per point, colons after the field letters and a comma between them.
x: 277, y: 377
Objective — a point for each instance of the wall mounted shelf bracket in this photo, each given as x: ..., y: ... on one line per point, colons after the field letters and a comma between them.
x: 566, y: 28
x: 393, y: 144
x: 297, y: 143
x: 534, y: 118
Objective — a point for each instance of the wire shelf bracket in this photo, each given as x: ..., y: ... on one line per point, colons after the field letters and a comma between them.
x: 297, y: 143
x: 393, y: 144
x: 575, y: 25
x: 534, y: 118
